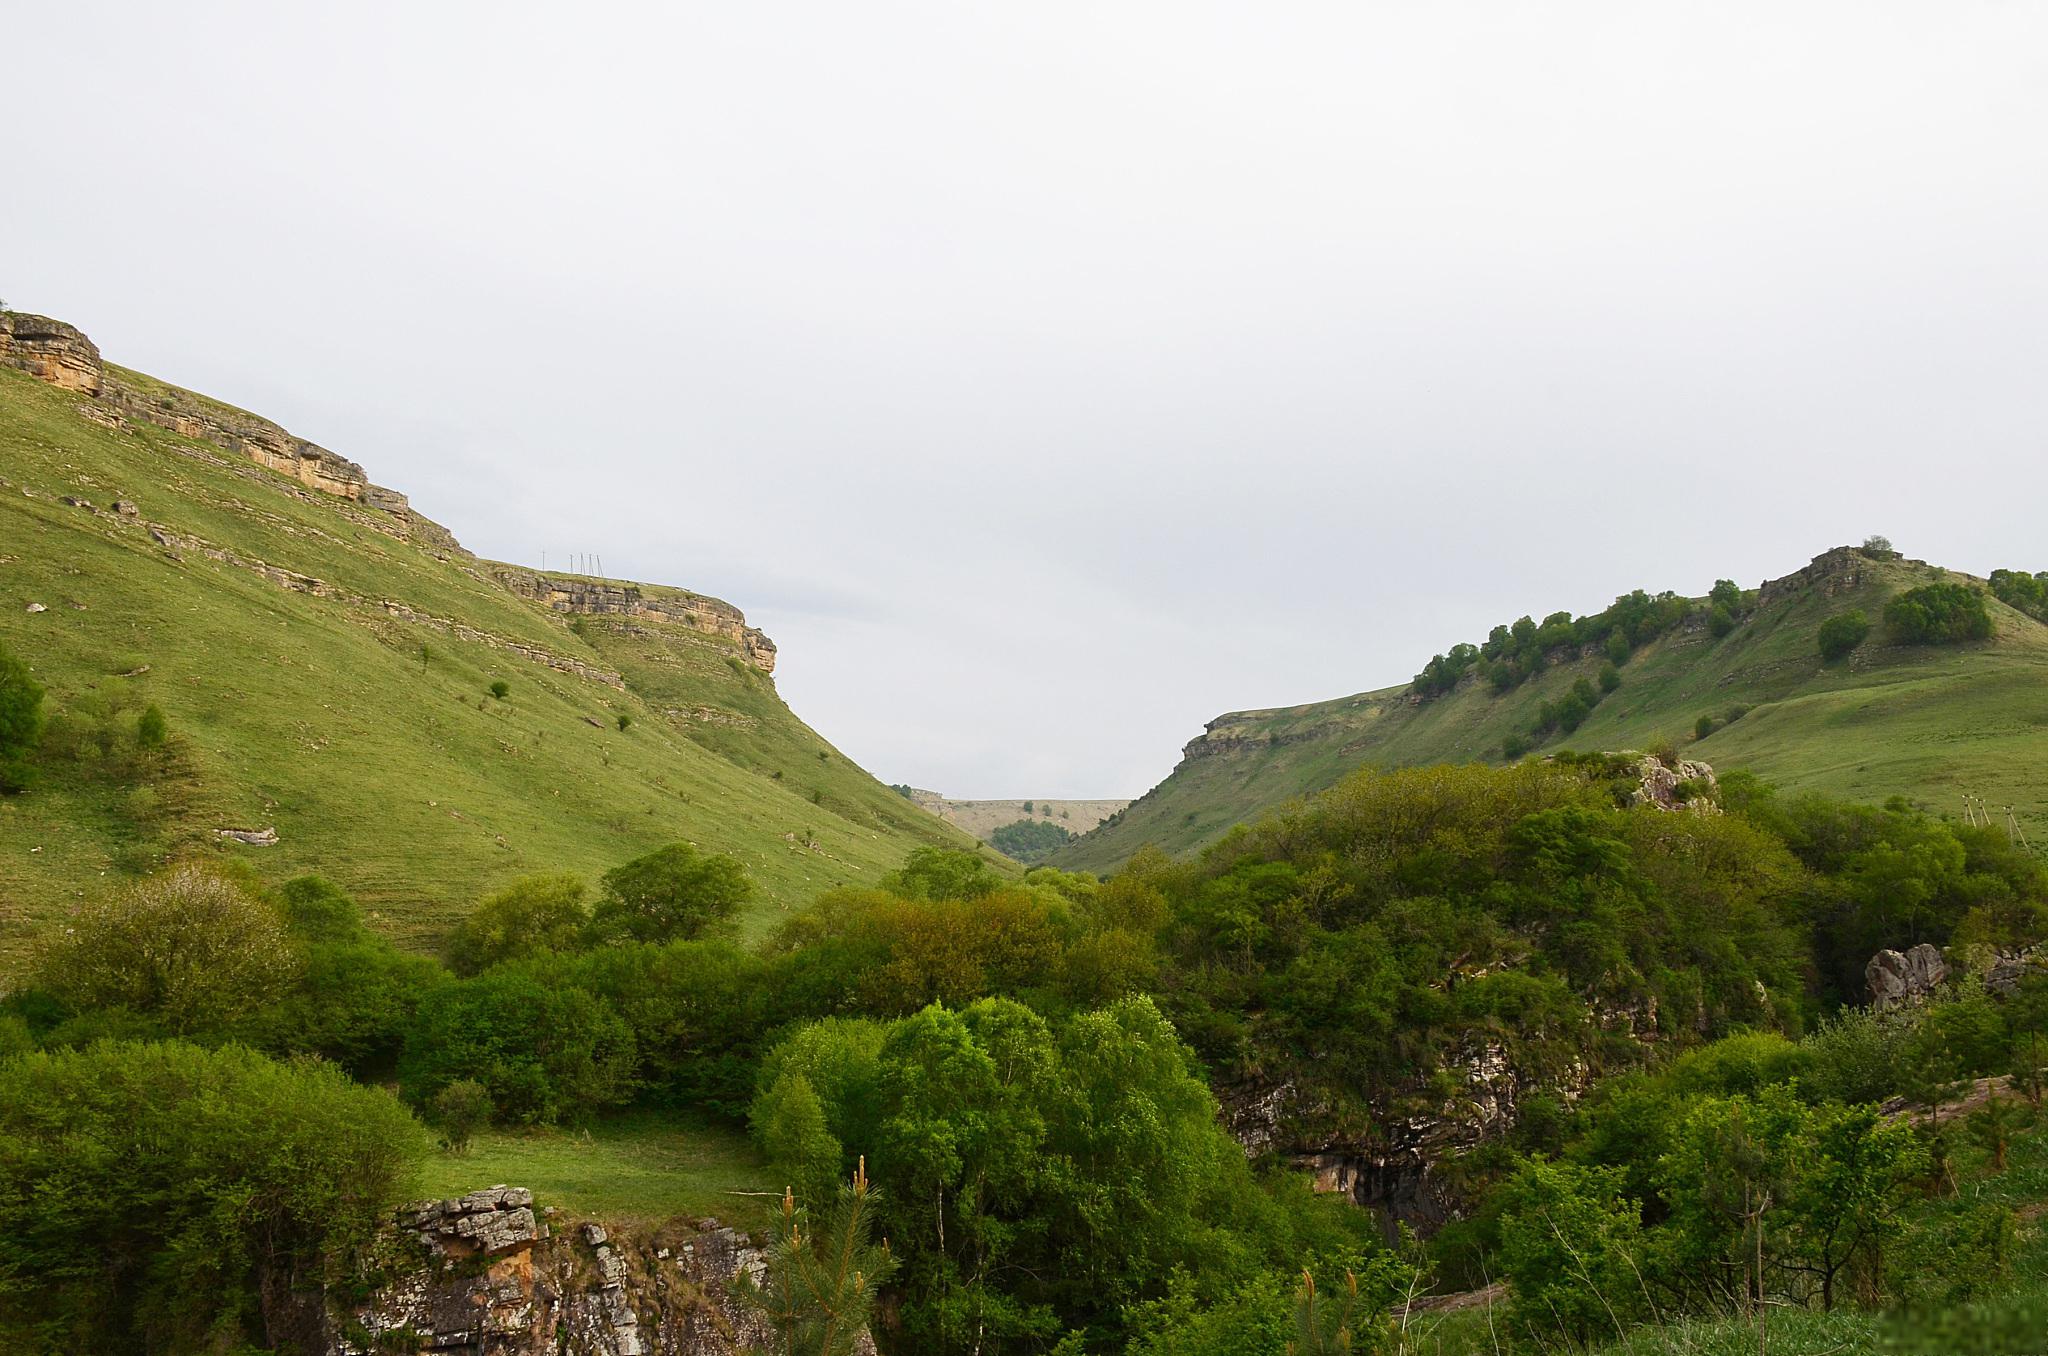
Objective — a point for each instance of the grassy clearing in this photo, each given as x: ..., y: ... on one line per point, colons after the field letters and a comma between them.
x: 389, y: 769
x: 1930, y: 724
x: 636, y: 1170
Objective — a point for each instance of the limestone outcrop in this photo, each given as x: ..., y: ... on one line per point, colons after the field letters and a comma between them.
x: 579, y: 596
x: 487, y: 1275
x: 1687, y: 784
x: 52, y: 351
x: 1897, y: 977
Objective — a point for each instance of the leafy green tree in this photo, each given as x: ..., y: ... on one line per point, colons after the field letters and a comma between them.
x: 1938, y: 614
x: 21, y: 722
x: 788, y: 1122
x: 1720, y: 620
x: 1842, y: 633
x: 501, y: 689
x: 942, y: 873
x: 1030, y: 840
x: 1725, y: 593
x: 189, y: 948
x: 532, y: 915
x: 673, y: 893
x: 2027, y: 592
x: 1618, y: 648
x: 623, y: 720
x: 818, y: 1288
x: 154, y: 1194
x: 1843, y: 1205
x: 350, y: 1002
x: 460, y: 1110
x: 1610, y: 678
x: 544, y: 1052
x: 317, y: 909
x: 1878, y: 547
x: 1702, y: 727
x: 1571, y: 1250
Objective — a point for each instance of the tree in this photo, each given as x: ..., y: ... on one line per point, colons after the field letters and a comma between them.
x: 1878, y: 547
x: 1726, y: 593
x: 188, y: 948
x: 1842, y: 1203
x: 941, y: 873
x: 1842, y: 633
x: 544, y: 1052
x: 623, y: 720
x: 317, y: 909
x: 460, y: 1110
x: 501, y: 689
x: 1938, y: 614
x: 156, y: 1195
x: 1030, y: 840
x: 1569, y: 1249
x: 1993, y: 1126
x: 1702, y: 727
x: 1720, y: 620
x: 788, y: 1122
x: 529, y: 916
x: 21, y: 722
x: 2030, y: 1067
x: 817, y: 1291
x: 673, y: 893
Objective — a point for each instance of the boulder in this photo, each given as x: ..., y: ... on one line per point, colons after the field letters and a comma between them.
x: 1897, y: 977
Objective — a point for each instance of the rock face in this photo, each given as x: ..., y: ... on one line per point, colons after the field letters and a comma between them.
x: 1688, y: 785
x: 1904, y: 977
x: 59, y: 354
x: 489, y: 1278
x: 51, y: 350
x: 2009, y: 969
x: 1395, y: 1170
x: 594, y: 597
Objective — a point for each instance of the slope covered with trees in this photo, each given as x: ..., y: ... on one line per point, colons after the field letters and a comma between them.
x: 1863, y: 675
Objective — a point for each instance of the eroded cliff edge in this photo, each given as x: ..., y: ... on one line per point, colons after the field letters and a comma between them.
x: 62, y: 355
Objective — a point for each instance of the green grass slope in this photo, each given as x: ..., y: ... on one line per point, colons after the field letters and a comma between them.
x: 314, y: 709
x: 1930, y: 723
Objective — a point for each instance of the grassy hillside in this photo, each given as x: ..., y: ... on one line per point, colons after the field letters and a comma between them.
x: 1930, y: 723
x: 327, y: 678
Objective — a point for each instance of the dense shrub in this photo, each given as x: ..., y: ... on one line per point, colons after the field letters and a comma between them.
x: 544, y: 1052
x: 672, y: 894
x: 528, y: 917
x: 153, y: 1194
x: 1938, y: 614
x: 1842, y: 633
x: 1029, y: 840
x: 2018, y: 589
x: 190, y: 949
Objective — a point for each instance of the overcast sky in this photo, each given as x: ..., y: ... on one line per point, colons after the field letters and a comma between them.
x: 1049, y: 378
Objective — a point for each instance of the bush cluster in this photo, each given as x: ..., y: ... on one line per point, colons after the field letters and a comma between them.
x: 1938, y: 614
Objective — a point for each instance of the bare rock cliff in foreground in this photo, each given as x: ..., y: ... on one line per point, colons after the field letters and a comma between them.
x: 486, y: 1276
